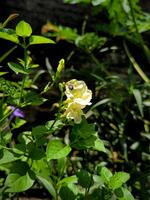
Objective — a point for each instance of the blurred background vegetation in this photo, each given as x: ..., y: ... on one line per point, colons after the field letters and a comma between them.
x: 106, y: 44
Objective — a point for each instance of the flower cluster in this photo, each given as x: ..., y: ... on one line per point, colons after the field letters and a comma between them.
x: 78, y: 96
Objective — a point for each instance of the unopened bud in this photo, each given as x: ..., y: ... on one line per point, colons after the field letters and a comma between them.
x: 11, y: 17
x: 59, y: 69
x: 61, y: 65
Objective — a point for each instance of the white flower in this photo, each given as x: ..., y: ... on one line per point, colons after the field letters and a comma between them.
x: 78, y: 96
x: 74, y: 111
x: 78, y: 92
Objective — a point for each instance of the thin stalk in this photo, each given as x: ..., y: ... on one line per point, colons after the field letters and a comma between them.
x: 88, y: 189
x: 7, y: 115
x: 70, y: 55
x: 22, y: 88
x: 135, y: 64
x: 11, y: 17
x: 84, y: 25
x: 145, y: 48
x: 7, y: 53
x: 24, y: 76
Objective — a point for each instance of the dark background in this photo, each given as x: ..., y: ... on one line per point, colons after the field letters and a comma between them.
x: 37, y: 12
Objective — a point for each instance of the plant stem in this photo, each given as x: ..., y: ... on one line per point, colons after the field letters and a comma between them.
x: 7, y: 115
x: 87, y: 189
x: 140, y: 38
x: 135, y: 64
x: 7, y: 53
x: 24, y: 76
x: 84, y: 25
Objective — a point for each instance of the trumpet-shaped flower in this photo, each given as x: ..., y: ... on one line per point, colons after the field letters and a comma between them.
x: 74, y: 111
x: 78, y: 92
x: 78, y: 96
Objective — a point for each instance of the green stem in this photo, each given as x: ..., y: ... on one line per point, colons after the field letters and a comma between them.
x: 7, y: 115
x: 135, y: 64
x: 87, y: 189
x: 7, y: 53
x: 24, y: 76
x: 84, y: 25
x: 70, y: 55
x: 10, y: 17
x: 139, y: 36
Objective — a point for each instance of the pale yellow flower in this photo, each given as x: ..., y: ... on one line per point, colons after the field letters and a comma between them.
x: 78, y: 96
x: 74, y: 111
x: 78, y: 92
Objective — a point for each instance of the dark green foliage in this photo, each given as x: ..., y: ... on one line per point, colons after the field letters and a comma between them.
x: 90, y: 42
x: 106, y: 155
x: 85, y: 179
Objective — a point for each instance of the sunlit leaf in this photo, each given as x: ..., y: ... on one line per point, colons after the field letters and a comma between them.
x: 138, y: 97
x: 17, y: 183
x: 35, y: 39
x: 11, y: 37
x: 17, y: 68
x: 48, y: 185
x: 23, y: 29
x: 56, y: 150
x: 118, y: 179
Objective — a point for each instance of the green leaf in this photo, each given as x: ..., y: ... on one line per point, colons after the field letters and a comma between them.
x: 17, y: 68
x: 11, y: 37
x: 54, y: 126
x: 3, y: 73
x: 119, y: 192
x: 97, y: 2
x: 136, y: 66
x: 35, y: 153
x: 126, y: 195
x: 33, y: 98
x: 35, y: 39
x: 39, y: 131
x: 77, y: 1
x: 99, y: 145
x: 138, y: 98
x: 83, y: 135
x: 61, y: 166
x: 101, y: 102
x: 42, y: 169
x: 40, y: 134
x: 83, y: 130
x: 66, y: 193
x: 105, y: 174
x: 19, y: 167
x: 25, y: 137
x: 81, y: 143
x: 90, y: 41
x: 126, y: 6
x: 85, y: 179
x: 68, y: 180
x: 48, y: 185
x: 118, y: 179
x: 6, y: 156
x: 17, y: 183
x: 23, y: 29
x: 18, y: 123
x: 56, y: 150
